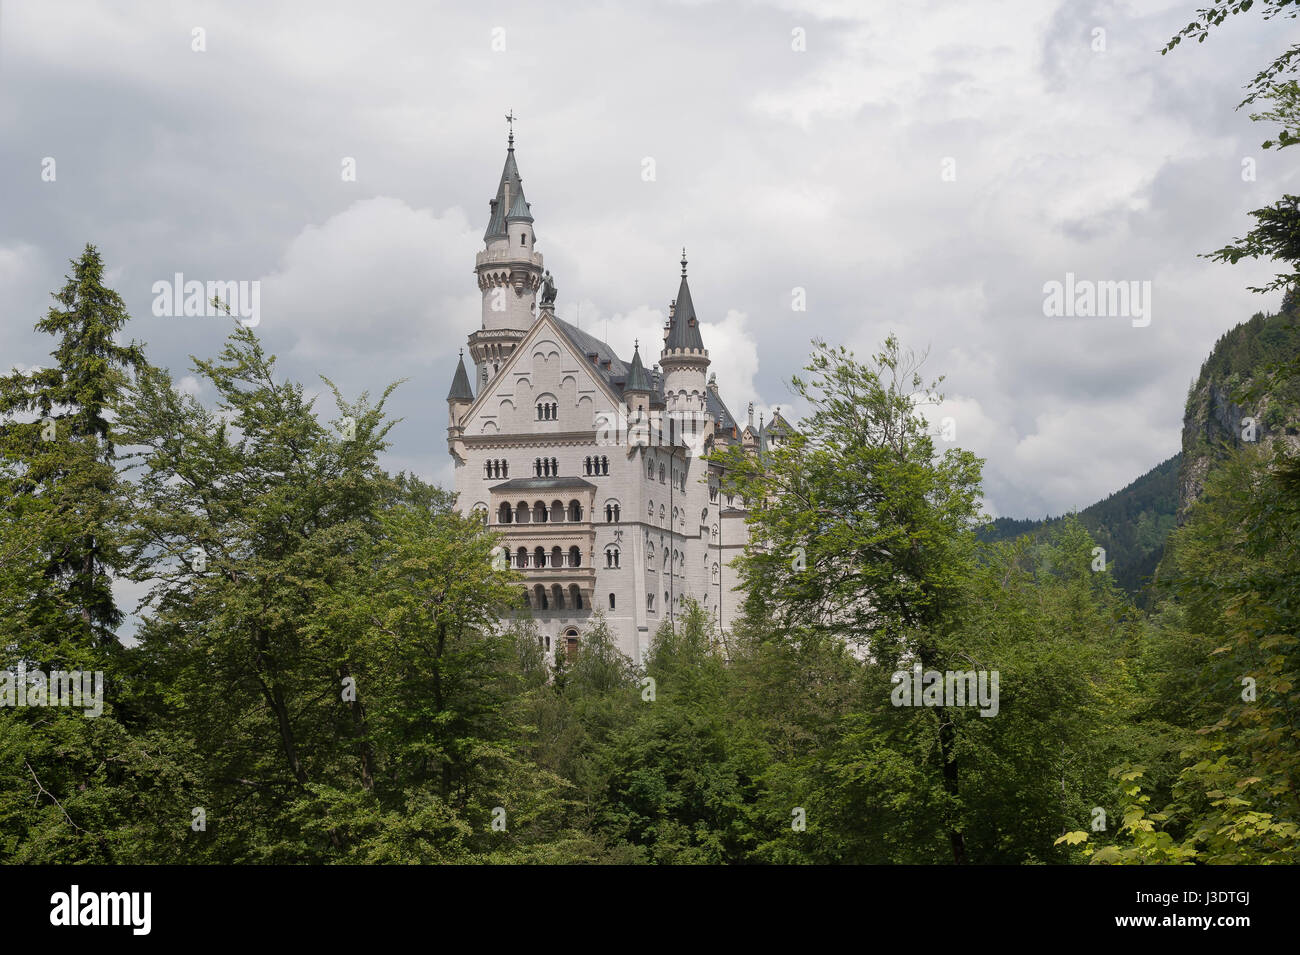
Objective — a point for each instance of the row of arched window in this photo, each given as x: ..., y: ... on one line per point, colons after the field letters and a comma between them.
x: 539, y: 598
x: 546, y: 467
x: 611, y: 557
x: 548, y: 412
x: 593, y: 467
x: 539, y: 557
x: 496, y: 468
x: 539, y: 512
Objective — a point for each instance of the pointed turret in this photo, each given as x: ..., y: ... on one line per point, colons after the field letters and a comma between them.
x: 684, y: 359
x: 683, y: 326
x: 509, y: 272
x: 460, y: 389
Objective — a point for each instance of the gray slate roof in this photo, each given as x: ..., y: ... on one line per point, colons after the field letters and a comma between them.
x: 684, y: 331
x: 460, y: 390
x: 544, y: 484
x: 509, y: 174
x: 619, y: 374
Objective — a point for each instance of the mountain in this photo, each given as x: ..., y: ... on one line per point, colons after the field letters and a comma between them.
x: 1132, y: 524
x: 1236, y: 398
x: 1240, y: 395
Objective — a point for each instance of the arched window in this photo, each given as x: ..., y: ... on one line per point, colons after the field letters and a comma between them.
x: 661, y: 513
x: 575, y: 596
x: 555, y: 467
x: 611, y: 601
x: 650, y: 469
x: 521, y: 513
x: 714, y: 573
x: 571, y: 644
x: 586, y: 464
x: 539, y: 557
x: 539, y: 512
x: 487, y: 469
x: 650, y: 602
x: 505, y: 469
x: 615, y: 513
x: 575, y: 557
x: 521, y: 557
x: 557, y: 512
x: 504, y: 514
x: 539, y: 411
x: 558, y: 593
x: 537, y: 467
x: 557, y: 557
x: 609, y: 513
x: 555, y: 412
x: 662, y: 474
x: 539, y: 597
x: 575, y: 511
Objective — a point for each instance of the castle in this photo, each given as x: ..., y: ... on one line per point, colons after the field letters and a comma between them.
x: 589, y: 467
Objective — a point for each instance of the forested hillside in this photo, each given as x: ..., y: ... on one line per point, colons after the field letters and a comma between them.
x: 1132, y: 525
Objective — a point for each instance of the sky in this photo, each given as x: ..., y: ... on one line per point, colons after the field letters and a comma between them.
x: 920, y: 168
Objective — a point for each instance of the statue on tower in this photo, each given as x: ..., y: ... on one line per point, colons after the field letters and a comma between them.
x: 548, y: 289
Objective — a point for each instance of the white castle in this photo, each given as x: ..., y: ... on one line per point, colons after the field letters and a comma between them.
x: 591, y: 468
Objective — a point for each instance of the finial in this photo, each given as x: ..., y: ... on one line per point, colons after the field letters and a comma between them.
x: 636, y: 344
x: 510, y: 121
x: 683, y: 261
x: 462, y: 353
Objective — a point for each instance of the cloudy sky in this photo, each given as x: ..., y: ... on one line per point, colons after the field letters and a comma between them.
x: 920, y: 167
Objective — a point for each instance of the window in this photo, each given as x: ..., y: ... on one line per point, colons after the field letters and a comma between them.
x: 650, y: 602
x: 575, y: 557
x: 662, y: 472
x: 586, y: 465
x: 571, y: 644
x: 650, y: 470
x: 713, y: 492
x: 604, y: 465
x: 611, y: 601
x: 523, y: 239
x: 555, y: 467
x: 611, y: 557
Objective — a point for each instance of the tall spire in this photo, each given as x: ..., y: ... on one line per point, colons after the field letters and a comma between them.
x: 460, y: 390
x: 637, y: 379
x: 509, y: 202
x: 684, y: 327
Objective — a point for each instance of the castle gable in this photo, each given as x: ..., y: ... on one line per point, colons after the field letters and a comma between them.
x: 547, y: 385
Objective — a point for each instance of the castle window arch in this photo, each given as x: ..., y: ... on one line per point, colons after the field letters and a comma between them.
x: 611, y: 557
x: 504, y: 514
x: 586, y: 464
x: 611, y: 601
x: 575, y: 511
x: 662, y: 473
x: 575, y: 556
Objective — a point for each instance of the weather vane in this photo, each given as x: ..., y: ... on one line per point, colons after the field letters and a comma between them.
x: 510, y: 121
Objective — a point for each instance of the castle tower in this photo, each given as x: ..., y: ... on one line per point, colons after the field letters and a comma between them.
x: 509, y: 273
x: 638, y: 390
x: 683, y: 359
